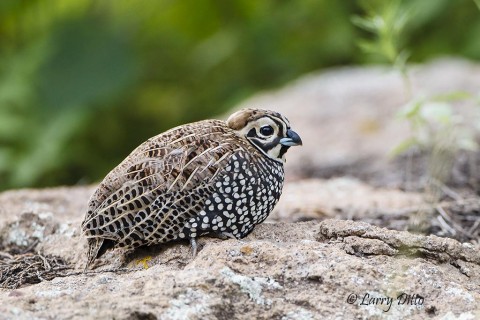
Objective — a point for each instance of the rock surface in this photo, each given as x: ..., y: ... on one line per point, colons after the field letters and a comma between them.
x: 289, y: 267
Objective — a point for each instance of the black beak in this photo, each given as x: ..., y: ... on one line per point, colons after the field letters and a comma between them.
x: 293, y: 139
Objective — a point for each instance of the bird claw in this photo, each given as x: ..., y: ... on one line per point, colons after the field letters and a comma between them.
x: 225, y: 235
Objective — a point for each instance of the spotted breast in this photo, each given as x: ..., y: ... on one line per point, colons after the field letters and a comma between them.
x: 211, y: 177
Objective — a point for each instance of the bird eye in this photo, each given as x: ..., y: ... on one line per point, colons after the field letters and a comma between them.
x: 266, y: 130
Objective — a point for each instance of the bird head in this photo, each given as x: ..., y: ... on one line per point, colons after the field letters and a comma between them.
x: 268, y: 131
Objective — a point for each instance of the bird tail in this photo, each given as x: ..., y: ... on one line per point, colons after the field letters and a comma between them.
x: 94, y: 245
x: 96, y: 248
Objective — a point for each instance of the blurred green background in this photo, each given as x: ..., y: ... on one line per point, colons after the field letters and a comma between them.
x: 83, y: 82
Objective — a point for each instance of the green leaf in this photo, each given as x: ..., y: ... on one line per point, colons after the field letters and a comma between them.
x: 404, y: 146
x: 370, y: 47
x: 453, y: 96
x: 437, y: 112
x: 410, y: 110
x: 365, y: 24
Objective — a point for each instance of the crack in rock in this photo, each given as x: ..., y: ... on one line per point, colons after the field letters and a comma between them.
x: 363, y: 238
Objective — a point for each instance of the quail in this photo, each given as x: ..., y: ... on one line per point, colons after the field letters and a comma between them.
x: 212, y: 177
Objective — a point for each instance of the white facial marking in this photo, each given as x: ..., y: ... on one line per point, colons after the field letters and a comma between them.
x: 259, y: 139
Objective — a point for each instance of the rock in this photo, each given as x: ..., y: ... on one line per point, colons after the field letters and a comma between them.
x: 302, y: 270
x: 366, y: 238
x: 345, y: 197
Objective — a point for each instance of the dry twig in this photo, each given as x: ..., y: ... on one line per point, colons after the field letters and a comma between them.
x: 29, y: 268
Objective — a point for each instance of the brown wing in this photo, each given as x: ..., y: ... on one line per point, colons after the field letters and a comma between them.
x: 185, y: 160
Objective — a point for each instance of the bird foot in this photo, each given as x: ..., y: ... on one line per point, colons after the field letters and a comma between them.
x: 222, y: 235
x: 193, y: 244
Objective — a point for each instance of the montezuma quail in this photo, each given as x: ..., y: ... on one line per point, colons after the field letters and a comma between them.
x: 208, y: 177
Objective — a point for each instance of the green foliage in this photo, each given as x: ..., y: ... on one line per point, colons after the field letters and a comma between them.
x: 83, y: 82
x: 386, y: 20
x: 435, y: 122
x: 436, y: 127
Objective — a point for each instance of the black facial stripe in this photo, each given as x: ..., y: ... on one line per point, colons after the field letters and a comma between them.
x: 251, y: 133
x: 285, y: 120
x: 283, y: 150
x: 267, y: 147
x: 280, y: 124
x: 257, y: 143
